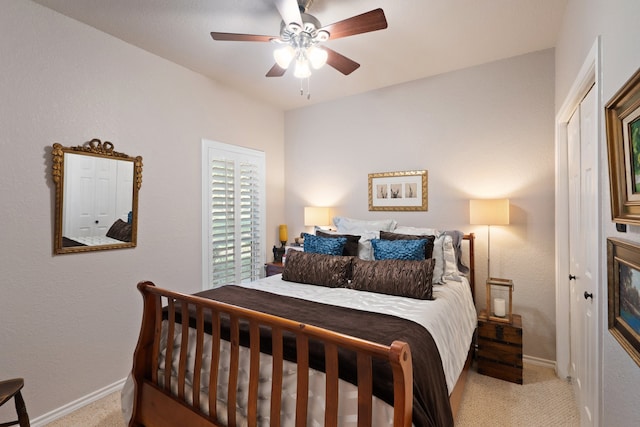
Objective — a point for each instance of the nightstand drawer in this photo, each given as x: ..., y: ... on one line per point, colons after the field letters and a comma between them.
x: 504, y: 353
x: 273, y: 268
x: 502, y: 372
x: 502, y: 332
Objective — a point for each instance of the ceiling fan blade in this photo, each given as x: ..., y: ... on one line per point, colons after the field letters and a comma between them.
x: 276, y: 71
x: 289, y: 11
x: 369, y: 21
x: 241, y: 37
x: 340, y: 62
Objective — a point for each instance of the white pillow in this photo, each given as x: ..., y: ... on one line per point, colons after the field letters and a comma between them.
x: 450, y: 262
x: 365, y: 249
x: 416, y: 231
x: 438, y: 268
x: 446, y: 267
x: 357, y: 226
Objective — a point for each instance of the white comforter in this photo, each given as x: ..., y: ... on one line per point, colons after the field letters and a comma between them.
x: 450, y: 318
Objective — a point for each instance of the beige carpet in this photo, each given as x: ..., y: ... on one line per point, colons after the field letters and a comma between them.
x: 543, y: 400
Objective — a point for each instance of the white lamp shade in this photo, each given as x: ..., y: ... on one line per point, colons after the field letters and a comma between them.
x: 317, y: 56
x: 316, y: 216
x: 302, y: 70
x: 489, y: 212
x: 284, y: 56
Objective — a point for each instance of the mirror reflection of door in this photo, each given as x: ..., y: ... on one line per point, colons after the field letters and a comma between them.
x: 96, y: 200
x: 98, y: 191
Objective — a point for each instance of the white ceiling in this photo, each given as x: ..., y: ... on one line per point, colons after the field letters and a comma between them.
x: 424, y: 38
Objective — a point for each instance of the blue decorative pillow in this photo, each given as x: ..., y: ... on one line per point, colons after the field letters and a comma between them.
x: 412, y: 250
x: 324, y: 245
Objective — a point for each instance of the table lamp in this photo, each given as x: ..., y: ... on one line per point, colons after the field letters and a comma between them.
x: 316, y: 216
x: 489, y: 212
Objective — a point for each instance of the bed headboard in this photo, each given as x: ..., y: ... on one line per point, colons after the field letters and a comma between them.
x: 472, y: 277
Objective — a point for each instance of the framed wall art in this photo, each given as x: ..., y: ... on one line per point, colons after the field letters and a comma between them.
x: 623, y: 268
x: 398, y: 191
x: 622, y: 117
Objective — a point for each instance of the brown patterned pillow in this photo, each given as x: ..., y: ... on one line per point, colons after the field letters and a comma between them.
x: 350, y: 248
x: 317, y: 269
x: 428, y: 248
x: 120, y: 230
x: 394, y: 277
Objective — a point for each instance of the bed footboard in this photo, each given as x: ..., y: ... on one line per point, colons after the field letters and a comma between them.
x: 155, y: 405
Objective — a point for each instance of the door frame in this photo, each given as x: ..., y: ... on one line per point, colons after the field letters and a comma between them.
x: 590, y: 74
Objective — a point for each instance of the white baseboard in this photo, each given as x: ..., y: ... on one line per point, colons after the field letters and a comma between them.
x: 77, y: 404
x: 539, y: 361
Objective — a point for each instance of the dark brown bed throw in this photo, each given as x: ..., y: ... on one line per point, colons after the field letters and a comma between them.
x: 430, y: 395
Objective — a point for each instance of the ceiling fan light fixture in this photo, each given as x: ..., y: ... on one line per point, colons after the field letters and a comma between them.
x: 284, y: 56
x: 302, y: 70
x: 294, y: 27
x: 302, y: 38
x: 317, y: 56
x: 322, y: 36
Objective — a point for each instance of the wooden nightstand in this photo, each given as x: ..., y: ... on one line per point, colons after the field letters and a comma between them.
x: 273, y: 268
x: 500, y: 348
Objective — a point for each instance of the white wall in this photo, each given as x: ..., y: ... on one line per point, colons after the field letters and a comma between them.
x: 617, y: 24
x: 482, y: 132
x: 69, y: 323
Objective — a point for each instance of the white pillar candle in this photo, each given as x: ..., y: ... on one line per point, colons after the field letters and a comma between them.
x: 499, y: 307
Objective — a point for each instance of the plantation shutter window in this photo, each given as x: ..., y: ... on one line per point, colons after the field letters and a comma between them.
x: 233, y: 214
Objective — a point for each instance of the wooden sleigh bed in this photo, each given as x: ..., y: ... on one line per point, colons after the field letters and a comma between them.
x: 169, y: 393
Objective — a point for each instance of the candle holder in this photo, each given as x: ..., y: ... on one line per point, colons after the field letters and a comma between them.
x: 499, y: 300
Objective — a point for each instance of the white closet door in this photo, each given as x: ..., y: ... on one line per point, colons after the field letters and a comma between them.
x: 583, y: 255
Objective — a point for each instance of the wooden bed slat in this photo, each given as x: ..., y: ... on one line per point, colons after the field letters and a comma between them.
x: 254, y: 371
x: 157, y: 301
x: 233, y: 370
x: 276, y: 375
x: 169, y: 351
x: 197, y: 366
x: 184, y: 345
x: 365, y: 389
x: 331, y: 393
x: 302, y: 390
x: 213, y: 368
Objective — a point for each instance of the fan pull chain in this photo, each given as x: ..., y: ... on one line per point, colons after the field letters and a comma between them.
x: 308, y: 88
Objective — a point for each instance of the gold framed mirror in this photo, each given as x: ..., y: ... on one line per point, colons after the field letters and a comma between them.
x: 96, y: 205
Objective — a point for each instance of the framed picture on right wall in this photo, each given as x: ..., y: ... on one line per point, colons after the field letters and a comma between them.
x: 622, y: 117
x: 623, y: 268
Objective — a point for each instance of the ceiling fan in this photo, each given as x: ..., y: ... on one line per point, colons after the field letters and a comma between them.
x: 301, y: 38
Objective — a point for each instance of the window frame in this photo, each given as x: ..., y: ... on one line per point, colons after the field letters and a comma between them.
x: 236, y: 154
